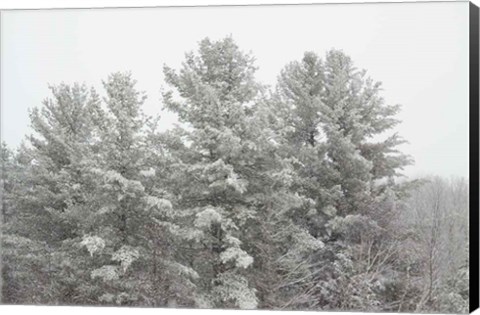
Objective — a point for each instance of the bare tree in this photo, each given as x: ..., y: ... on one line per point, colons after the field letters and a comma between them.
x: 436, y: 220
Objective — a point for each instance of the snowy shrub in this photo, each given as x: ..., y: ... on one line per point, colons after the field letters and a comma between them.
x: 241, y: 258
x: 208, y: 216
x: 234, y: 287
x: 148, y: 173
x: 93, y: 244
x: 126, y: 255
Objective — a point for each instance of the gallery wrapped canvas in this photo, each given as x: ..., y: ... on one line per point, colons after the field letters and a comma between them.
x: 319, y: 157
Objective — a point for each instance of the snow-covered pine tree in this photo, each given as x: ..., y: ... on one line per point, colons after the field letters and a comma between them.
x: 355, y: 118
x: 337, y: 117
x: 234, y: 179
x: 56, y: 155
x: 49, y: 173
x: 298, y: 100
x: 129, y: 236
x: 7, y: 182
x: 214, y: 93
x: 336, y: 107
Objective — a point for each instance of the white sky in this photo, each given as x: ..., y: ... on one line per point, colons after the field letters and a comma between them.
x: 418, y: 50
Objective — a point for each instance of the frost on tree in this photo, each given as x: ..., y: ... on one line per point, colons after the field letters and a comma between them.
x: 284, y: 197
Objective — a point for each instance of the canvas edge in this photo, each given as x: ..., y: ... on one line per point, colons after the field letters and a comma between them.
x: 474, y: 159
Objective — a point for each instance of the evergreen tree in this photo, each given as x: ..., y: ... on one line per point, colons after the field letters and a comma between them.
x: 8, y: 181
x: 335, y: 107
x: 336, y: 116
x: 216, y: 90
x: 128, y: 230
x: 236, y: 180
x: 49, y: 176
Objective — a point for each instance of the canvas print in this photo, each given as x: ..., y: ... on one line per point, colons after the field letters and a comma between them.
x: 280, y: 157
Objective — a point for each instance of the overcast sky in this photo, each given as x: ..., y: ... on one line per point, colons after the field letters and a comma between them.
x: 418, y: 50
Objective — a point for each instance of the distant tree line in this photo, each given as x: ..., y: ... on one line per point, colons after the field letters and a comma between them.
x: 290, y: 198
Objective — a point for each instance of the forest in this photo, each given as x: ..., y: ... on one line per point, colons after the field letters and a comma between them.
x: 283, y: 198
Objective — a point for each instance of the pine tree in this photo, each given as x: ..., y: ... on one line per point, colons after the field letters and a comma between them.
x: 128, y: 231
x: 8, y: 172
x: 216, y: 90
x: 336, y: 116
x: 49, y: 174
x: 299, y: 98
x: 234, y: 178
